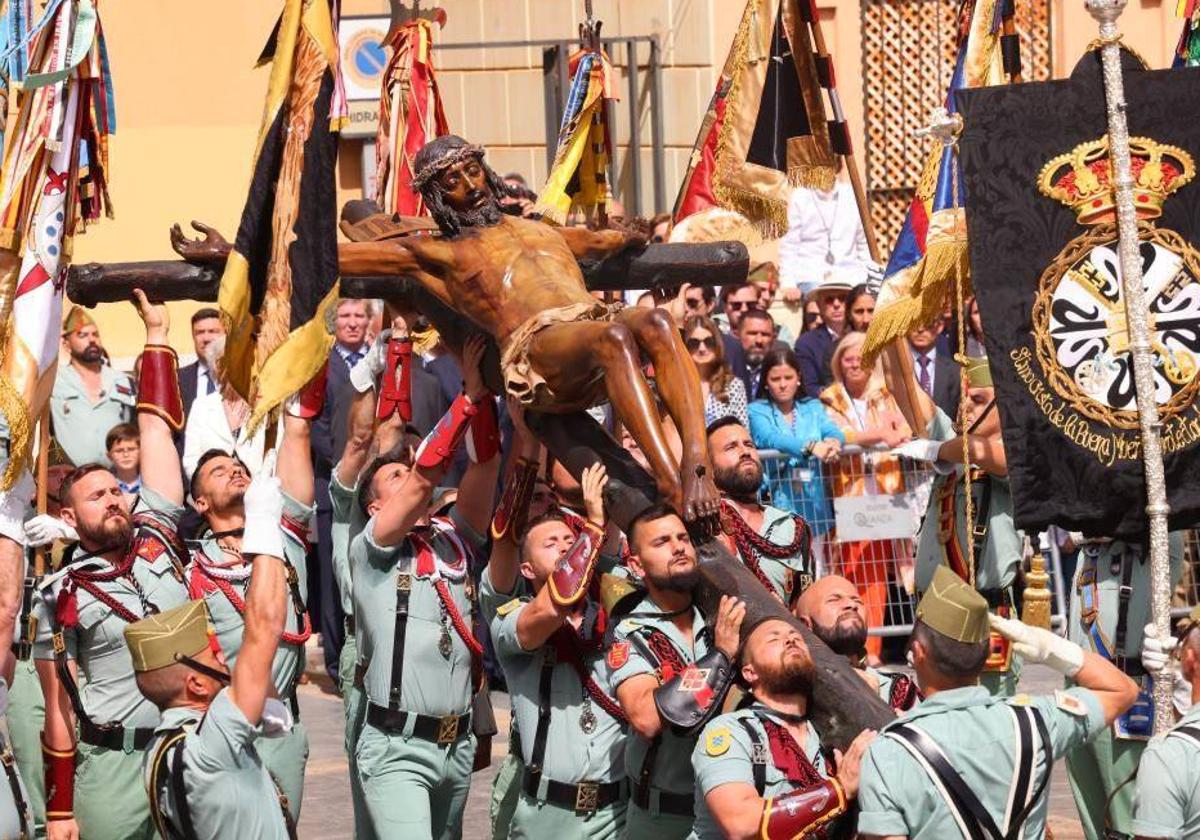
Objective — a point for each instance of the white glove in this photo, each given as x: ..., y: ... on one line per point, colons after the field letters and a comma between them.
x: 14, y: 505
x: 1035, y: 645
x: 364, y: 374
x: 276, y: 718
x: 920, y: 449
x: 1156, y: 652
x: 44, y: 529
x: 264, y: 508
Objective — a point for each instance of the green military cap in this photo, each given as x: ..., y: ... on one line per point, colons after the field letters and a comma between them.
x: 954, y: 609
x: 617, y: 594
x: 155, y: 641
x: 979, y: 373
x: 77, y: 318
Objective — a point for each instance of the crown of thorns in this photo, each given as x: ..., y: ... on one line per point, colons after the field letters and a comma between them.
x: 435, y: 168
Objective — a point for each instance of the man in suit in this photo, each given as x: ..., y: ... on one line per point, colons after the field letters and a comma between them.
x: 735, y: 302
x: 196, y: 379
x: 936, y: 371
x: 814, y: 349
x: 350, y: 344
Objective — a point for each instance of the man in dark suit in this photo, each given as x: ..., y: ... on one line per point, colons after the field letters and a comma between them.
x: 936, y: 371
x: 350, y: 345
x: 814, y: 349
x: 195, y: 379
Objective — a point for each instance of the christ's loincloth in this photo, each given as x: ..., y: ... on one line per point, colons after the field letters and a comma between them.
x: 529, y: 386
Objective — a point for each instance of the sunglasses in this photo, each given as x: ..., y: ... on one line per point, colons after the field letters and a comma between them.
x: 811, y: 317
x: 738, y: 305
x: 694, y: 344
x: 694, y: 302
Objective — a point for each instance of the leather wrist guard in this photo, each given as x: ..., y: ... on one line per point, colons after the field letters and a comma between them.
x: 802, y: 813
x: 395, y: 391
x: 60, y: 783
x: 439, y: 445
x: 690, y: 698
x: 483, y: 435
x: 573, y: 571
x: 310, y: 399
x: 513, y: 508
x: 158, y: 385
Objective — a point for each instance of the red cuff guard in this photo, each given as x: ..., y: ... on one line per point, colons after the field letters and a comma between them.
x: 483, y: 436
x: 439, y: 446
x: 60, y: 783
x: 158, y: 385
x: 573, y: 571
x: 311, y: 398
x: 803, y: 813
x: 395, y: 390
x: 513, y: 509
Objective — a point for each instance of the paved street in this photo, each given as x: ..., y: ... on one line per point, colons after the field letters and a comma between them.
x: 327, y: 814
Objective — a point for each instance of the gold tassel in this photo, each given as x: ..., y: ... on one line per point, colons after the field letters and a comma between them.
x: 813, y: 176
x: 20, y: 431
x: 1035, y: 607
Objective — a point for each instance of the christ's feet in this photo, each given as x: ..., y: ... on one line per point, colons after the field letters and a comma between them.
x: 701, y: 501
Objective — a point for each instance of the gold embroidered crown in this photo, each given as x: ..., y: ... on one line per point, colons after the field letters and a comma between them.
x: 1083, y: 180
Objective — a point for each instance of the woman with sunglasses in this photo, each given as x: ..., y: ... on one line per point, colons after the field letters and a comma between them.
x: 784, y: 418
x: 724, y: 393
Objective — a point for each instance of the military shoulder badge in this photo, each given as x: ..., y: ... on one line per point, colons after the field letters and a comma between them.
x: 1080, y: 332
x: 717, y: 740
x: 1070, y: 704
x: 618, y: 655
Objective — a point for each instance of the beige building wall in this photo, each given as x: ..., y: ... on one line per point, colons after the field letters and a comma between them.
x: 189, y: 101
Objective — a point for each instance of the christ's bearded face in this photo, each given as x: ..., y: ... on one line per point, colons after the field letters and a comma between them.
x: 467, y: 193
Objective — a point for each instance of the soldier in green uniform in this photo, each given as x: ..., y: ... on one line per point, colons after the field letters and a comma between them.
x: 89, y: 397
x: 17, y: 808
x: 834, y: 609
x: 965, y: 762
x: 945, y: 531
x: 761, y: 771
x: 203, y: 772
x: 413, y: 600
x: 1110, y: 606
x: 670, y: 673
x: 1167, y: 800
x: 125, y: 568
x: 772, y: 543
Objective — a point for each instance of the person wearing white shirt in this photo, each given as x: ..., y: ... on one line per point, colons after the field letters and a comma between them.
x: 825, y: 239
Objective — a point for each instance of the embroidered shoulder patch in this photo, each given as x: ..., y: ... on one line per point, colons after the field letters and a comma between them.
x: 618, y: 655
x: 1021, y: 699
x: 716, y: 741
x: 1069, y: 703
x: 505, y: 608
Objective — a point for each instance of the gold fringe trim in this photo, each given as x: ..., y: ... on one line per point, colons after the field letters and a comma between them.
x: 813, y: 176
x: 20, y: 432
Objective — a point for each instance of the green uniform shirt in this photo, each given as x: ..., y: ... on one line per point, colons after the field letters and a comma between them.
x: 230, y: 624
x: 80, y: 425
x: 723, y: 756
x: 107, y: 687
x: 1167, y: 802
x: 432, y: 684
x: 996, y: 566
x: 897, y: 796
x: 784, y: 573
x: 229, y: 792
x: 348, y: 521
x: 1106, y: 591
x: 572, y: 754
x: 672, y: 767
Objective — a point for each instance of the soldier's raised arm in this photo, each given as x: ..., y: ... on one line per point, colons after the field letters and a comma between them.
x: 477, y: 489
x: 512, y: 511
x: 159, y: 405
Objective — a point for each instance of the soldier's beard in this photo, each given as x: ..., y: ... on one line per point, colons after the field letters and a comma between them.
x: 787, y: 676
x: 738, y: 481
x: 847, y: 636
x: 113, y: 532
x: 676, y: 581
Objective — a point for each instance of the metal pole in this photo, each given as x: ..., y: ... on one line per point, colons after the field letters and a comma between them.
x: 656, y: 126
x: 635, y: 131
x: 1106, y: 13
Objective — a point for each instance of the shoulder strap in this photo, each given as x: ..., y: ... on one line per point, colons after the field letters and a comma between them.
x: 404, y: 580
x: 758, y: 756
x: 24, y: 816
x: 1124, y: 594
x: 166, y: 770
x: 545, y: 680
x: 61, y: 666
x: 1188, y: 733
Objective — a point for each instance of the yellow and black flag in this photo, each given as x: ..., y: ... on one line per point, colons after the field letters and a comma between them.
x: 280, y: 282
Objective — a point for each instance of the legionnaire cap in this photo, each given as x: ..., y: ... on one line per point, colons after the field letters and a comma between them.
x: 617, y: 594
x: 154, y: 642
x: 979, y: 373
x: 77, y: 318
x: 954, y: 609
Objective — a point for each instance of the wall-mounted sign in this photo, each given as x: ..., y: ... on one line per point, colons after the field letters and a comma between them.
x: 363, y: 61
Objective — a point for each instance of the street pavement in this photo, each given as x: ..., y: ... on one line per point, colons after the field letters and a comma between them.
x: 327, y: 812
